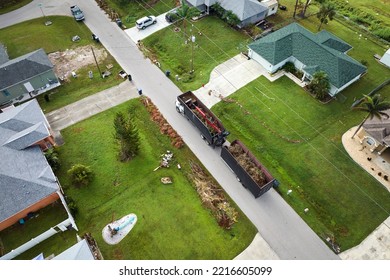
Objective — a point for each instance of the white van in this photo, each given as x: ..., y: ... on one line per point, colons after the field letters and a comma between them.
x: 145, y: 22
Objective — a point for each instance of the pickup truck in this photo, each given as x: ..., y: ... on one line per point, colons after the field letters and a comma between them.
x: 77, y: 13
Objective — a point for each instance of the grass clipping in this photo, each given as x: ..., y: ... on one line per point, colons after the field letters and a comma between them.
x: 213, y: 197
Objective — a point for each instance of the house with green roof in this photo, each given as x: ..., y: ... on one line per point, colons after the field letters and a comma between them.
x: 24, y: 77
x: 310, y: 53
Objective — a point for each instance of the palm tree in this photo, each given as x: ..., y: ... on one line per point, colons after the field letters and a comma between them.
x: 186, y: 12
x: 305, y: 7
x: 319, y: 85
x: 374, y: 106
x: 295, y: 8
x: 327, y: 11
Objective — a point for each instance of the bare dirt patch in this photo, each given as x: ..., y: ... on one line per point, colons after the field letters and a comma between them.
x: 71, y: 60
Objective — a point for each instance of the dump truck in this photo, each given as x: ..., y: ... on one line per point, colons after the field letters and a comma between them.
x: 77, y: 13
x: 249, y: 171
x: 210, y: 127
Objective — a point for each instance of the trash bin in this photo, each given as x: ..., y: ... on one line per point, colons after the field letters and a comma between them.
x: 140, y: 91
x: 130, y: 78
x: 167, y: 73
x: 119, y: 22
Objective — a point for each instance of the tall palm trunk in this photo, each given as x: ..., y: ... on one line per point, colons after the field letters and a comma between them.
x: 360, y: 125
x: 305, y: 8
x: 295, y: 9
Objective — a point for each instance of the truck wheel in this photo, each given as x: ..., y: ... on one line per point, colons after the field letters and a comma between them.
x: 143, y: 27
x: 177, y: 109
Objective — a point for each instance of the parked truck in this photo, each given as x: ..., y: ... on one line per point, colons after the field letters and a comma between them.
x: 211, y: 128
x: 77, y: 13
x: 249, y: 171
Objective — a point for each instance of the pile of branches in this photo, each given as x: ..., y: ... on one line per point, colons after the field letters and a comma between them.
x: 213, y: 198
x: 246, y: 162
x: 93, y: 246
x: 112, y: 14
x: 165, y: 127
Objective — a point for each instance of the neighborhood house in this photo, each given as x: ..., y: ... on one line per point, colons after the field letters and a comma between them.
x: 376, y: 134
x: 24, y: 77
x: 27, y: 182
x: 248, y: 11
x: 310, y: 53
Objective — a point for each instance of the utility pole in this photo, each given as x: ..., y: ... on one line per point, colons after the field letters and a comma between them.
x: 97, y: 65
x: 192, y: 51
x: 40, y: 7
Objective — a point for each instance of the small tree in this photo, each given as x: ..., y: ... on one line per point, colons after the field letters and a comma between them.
x: 52, y: 158
x: 80, y: 174
x: 327, y: 11
x: 127, y: 134
x: 319, y: 85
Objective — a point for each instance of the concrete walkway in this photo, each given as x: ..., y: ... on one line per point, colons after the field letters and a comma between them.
x: 91, y: 105
x: 232, y: 75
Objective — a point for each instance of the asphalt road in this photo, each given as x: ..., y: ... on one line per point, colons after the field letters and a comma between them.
x: 287, y: 234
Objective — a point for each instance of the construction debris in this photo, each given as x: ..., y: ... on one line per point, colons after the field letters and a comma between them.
x: 165, y: 159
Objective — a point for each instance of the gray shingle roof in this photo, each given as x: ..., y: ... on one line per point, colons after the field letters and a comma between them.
x: 25, y: 175
x: 79, y: 251
x: 321, y: 51
x: 243, y: 9
x: 379, y: 129
x: 24, y: 67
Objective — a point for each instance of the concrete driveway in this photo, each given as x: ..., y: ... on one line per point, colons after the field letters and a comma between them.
x: 282, y: 228
x: 136, y: 34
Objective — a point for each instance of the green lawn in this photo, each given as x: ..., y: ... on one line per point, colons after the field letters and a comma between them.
x: 172, y: 223
x: 32, y: 35
x: 7, y: 6
x: 46, y: 218
x: 216, y: 44
x: 343, y: 199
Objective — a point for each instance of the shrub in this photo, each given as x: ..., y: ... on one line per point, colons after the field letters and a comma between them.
x: 80, y: 174
x: 187, y: 78
x: 289, y: 67
x: 72, y: 206
x: 52, y: 158
x: 364, y: 62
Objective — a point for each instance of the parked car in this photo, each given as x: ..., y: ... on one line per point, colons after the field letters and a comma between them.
x: 144, y: 22
x: 77, y: 13
x: 172, y: 16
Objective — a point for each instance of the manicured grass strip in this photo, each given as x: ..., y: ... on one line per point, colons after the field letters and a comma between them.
x: 216, y: 42
x: 7, y: 6
x: 172, y: 223
x: 344, y: 200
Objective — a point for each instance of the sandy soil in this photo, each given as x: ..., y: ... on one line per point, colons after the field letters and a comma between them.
x: 73, y: 59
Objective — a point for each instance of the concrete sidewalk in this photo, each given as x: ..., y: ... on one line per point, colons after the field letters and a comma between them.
x: 91, y: 105
x: 232, y: 75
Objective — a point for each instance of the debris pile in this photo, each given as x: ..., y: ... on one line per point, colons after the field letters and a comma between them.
x: 165, y: 127
x: 165, y: 159
x: 246, y: 162
x: 93, y: 246
x: 213, y: 197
